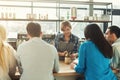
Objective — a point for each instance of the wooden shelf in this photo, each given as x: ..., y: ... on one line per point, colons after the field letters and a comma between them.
x: 54, y: 20
x: 28, y: 20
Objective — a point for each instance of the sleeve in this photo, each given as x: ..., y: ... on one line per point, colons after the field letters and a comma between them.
x: 77, y: 44
x: 76, y: 47
x: 56, y: 41
x: 56, y: 61
x: 18, y: 59
x: 115, y: 60
x: 80, y: 67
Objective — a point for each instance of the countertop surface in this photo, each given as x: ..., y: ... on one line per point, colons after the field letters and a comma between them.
x: 65, y: 70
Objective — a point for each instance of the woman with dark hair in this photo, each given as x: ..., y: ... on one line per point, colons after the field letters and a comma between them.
x: 94, y: 56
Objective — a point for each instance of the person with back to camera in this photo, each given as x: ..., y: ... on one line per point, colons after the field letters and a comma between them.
x: 94, y: 56
x: 38, y: 58
x: 69, y: 38
x: 112, y: 35
x: 8, y: 60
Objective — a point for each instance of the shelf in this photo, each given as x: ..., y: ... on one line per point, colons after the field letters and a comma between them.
x: 100, y: 21
x: 27, y: 6
x: 66, y: 2
x: 27, y: 20
x: 84, y: 2
x: 61, y: 2
x: 54, y: 20
x: 56, y: 10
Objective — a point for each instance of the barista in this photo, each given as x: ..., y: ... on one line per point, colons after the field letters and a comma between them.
x: 66, y: 42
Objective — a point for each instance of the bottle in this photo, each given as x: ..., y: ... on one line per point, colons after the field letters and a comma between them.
x: 46, y: 17
x: 10, y: 13
x: 2, y: 13
x: 73, y: 13
x: 14, y: 14
x: 67, y: 15
x: 6, y: 13
x: 39, y: 16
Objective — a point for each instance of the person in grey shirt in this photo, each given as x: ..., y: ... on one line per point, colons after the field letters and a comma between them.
x: 112, y: 34
x: 38, y: 58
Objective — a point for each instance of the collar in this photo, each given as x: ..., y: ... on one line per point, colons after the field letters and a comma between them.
x: 35, y: 38
x: 62, y: 36
x: 116, y: 42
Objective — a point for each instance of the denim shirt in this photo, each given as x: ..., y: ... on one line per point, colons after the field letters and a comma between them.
x: 73, y: 39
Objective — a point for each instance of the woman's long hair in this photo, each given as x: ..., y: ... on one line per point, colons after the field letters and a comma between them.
x: 2, y: 39
x: 94, y: 33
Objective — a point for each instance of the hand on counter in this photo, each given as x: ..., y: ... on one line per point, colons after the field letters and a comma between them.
x: 72, y: 65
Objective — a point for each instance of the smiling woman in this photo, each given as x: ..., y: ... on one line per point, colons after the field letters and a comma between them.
x: 69, y: 41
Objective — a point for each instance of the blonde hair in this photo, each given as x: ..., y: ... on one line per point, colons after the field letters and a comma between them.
x: 65, y: 24
x: 2, y: 39
x: 7, y: 59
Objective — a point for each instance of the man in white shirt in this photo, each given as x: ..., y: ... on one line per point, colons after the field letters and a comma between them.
x: 112, y: 34
x: 38, y: 59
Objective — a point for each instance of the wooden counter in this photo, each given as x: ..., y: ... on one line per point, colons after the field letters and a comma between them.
x: 65, y: 70
x: 65, y: 73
